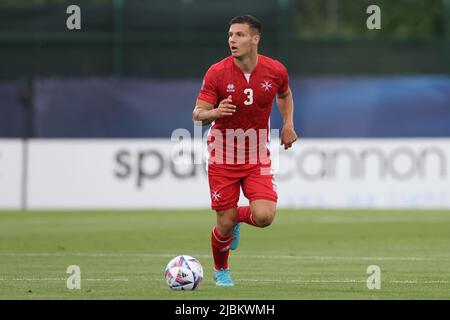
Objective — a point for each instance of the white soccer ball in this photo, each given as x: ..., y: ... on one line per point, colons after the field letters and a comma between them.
x: 183, y: 273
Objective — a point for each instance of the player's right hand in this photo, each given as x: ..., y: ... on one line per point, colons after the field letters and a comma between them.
x: 225, y: 108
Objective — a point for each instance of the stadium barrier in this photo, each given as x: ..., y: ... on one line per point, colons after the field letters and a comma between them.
x: 146, y: 174
x: 325, y: 107
x: 337, y: 107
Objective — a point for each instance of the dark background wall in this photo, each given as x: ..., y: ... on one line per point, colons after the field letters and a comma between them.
x: 134, y: 68
x: 179, y: 38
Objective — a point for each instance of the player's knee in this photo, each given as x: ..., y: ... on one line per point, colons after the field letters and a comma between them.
x: 225, y: 227
x: 263, y: 221
x: 264, y: 218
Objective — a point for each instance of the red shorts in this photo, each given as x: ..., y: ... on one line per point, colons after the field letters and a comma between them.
x: 256, y: 180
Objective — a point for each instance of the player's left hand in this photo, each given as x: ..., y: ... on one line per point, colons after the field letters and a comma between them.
x: 288, y: 136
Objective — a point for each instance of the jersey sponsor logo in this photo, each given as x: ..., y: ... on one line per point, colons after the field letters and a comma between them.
x: 230, y: 87
x: 266, y: 85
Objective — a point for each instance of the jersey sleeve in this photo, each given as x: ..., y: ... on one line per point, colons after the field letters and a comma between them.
x: 284, y: 80
x: 209, y: 89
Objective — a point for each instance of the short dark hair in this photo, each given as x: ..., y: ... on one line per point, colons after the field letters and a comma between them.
x: 248, y: 19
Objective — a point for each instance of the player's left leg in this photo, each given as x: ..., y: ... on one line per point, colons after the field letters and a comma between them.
x: 260, y: 189
x: 263, y: 212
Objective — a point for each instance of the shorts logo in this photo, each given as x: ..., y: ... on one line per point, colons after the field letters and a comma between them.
x: 230, y: 87
x: 216, y: 195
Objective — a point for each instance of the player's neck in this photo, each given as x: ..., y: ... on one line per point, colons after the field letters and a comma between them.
x: 248, y: 63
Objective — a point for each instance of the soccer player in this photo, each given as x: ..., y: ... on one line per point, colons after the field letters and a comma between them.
x: 236, y: 97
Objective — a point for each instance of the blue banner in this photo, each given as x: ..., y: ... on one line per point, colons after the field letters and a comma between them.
x: 14, y: 110
x: 324, y: 107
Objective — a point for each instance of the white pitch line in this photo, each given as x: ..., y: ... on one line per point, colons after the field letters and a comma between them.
x: 33, y: 279
x: 301, y: 281
x: 276, y: 257
x: 350, y: 258
x: 106, y: 279
x: 57, y: 279
x: 309, y: 281
x: 347, y: 281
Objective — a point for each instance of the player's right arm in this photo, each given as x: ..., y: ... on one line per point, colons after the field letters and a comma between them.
x: 205, y: 112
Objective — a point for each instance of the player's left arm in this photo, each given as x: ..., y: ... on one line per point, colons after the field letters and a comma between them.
x: 285, y: 104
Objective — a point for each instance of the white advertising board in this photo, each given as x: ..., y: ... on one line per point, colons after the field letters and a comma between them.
x: 112, y: 174
x: 338, y: 173
x: 11, y: 170
x: 366, y: 173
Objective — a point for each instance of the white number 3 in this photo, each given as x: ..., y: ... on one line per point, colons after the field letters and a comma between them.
x: 249, y: 93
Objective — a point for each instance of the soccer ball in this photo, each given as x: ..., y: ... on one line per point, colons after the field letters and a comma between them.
x: 183, y: 273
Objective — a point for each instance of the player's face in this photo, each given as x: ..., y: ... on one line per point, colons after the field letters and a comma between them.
x: 242, y: 40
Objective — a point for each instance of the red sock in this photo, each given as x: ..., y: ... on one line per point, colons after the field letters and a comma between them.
x: 221, y: 249
x: 244, y: 214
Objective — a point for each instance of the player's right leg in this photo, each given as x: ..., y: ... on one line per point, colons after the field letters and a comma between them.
x: 224, y: 198
x: 221, y: 238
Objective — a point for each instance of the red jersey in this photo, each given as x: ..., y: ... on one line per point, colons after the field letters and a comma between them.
x: 253, y: 96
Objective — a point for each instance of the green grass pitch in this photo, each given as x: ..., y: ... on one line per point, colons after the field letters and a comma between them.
x: 305, y: 254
